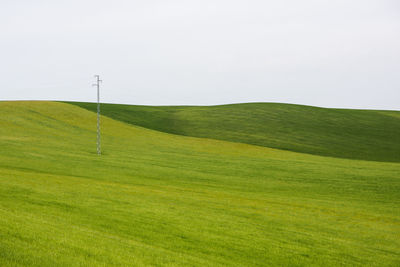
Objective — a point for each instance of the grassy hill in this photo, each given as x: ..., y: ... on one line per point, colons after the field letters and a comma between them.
x: 356, y: 134
x: 158, y: 199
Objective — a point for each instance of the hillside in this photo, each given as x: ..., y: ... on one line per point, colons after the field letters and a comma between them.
x: 157, y: 199
x: 356, y: 134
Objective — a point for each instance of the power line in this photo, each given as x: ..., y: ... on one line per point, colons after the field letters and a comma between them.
x: 97, y: 84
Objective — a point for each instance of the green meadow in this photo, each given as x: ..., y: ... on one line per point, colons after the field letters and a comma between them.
x: 235, y: 185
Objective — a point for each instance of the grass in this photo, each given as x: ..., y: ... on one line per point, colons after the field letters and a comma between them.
x: 158, y: 199
x: 356, y: 134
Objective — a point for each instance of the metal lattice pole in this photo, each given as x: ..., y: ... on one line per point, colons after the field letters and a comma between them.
x: 97, y: 84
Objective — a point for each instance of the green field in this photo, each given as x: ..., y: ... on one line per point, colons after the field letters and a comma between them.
x: 159, y: 198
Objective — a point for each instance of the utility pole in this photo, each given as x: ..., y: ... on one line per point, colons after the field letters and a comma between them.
x: 97, y: 84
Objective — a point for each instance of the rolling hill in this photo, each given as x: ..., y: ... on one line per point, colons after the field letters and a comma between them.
x: 355, y: 134
x: 161, y: 199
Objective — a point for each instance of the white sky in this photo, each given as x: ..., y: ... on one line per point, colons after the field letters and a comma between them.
x: 332, y: 53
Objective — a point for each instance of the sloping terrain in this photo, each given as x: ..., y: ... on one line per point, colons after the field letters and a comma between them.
x: 356, y: 134
x: 158, y: 199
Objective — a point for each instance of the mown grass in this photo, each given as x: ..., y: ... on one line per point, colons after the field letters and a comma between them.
x: 160, y: 199
x: 356, y: 134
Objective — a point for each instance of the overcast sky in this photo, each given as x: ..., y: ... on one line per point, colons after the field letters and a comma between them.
x: 330, y: 53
